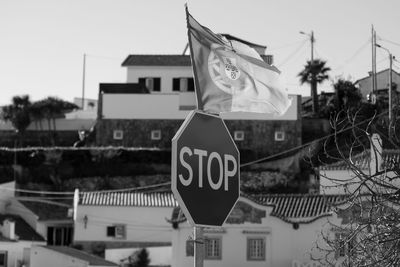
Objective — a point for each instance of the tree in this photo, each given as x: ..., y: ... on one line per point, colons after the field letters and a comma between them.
x: 369, y: 232
x: 347, y: 97
x: 18, y: 114
x: 50, y: 109
x: 140, y: 258
x: 314, y: 72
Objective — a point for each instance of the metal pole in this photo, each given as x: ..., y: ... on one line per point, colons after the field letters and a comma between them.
x: 198, y: 247
x: 312, y: 46
x: 83, y: 81
x: 373, y: 60
x: 390, y: 93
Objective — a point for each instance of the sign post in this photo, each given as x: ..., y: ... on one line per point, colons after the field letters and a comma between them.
x: 205, y: 175
x: 205, y: 169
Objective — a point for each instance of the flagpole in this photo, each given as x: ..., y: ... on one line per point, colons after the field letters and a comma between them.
x: 197, y: 85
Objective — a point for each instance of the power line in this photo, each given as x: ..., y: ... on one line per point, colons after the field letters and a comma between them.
x: 355, y: 54
x: 309, y: 143
x: 293, y: 53
x: 168, y: 183
x: 285, y: 45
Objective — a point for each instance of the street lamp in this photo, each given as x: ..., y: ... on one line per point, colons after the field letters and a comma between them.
x: 312, y: 40
x: 390, y: 85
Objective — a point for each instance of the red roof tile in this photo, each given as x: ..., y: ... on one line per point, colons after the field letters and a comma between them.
x: 158, y: 199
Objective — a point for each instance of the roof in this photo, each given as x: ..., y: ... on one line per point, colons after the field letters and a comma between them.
x: 157, y: 60
x: 361, y: 160
x: 46, y: 210
x: 168, y: 60
x: 22, y: 229
x: 370, y: 76
x: 154, y: 199
x: 300, y: 208
x: 291, y: 208
x: 123, y: 88
x: 79, y: 254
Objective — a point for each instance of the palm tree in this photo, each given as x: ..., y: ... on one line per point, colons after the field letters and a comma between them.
x: 313, y: 73
x: 18, y: 114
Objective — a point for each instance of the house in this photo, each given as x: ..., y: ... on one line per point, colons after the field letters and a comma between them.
x: 16, y: 239
x: 382, y: 81
x: 262, y: 230
x: 50, y: 219
x: 115, y: 224
x: 159, y: 93
x: 343, y: 177
x: 49, y: 256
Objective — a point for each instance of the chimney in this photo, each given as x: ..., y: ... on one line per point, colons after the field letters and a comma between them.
x: 8, y: 229
x: 376, y: 154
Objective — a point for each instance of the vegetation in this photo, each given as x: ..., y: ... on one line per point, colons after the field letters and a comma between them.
x: 18, y: 113
x: 139, y: 258
x: 314, y: 72
x: 369, y: 232
x: 21, y: 112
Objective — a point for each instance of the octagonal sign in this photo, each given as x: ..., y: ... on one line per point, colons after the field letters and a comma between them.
x: 205, y: 169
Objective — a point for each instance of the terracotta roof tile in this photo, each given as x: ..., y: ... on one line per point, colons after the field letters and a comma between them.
x: 156, y: 199
x: 22, y: 229
x: 79, y: 254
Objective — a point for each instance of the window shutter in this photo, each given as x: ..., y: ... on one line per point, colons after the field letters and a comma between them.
x: 175, y: 84
x: 190, y: 85
x: 157, y: 84
x: 110, y: 230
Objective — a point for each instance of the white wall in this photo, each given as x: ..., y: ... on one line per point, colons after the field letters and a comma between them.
x: 382, y: 80
x: 143, y: 224
x: 6, y: 193
x: 161, y: 256
x: 61, y: 125
x: 166, y: 106
x: 346, y: 181
x: 284, y: 245
x: 166, y: 74
x: 42, y: 257
x: 15, y: 251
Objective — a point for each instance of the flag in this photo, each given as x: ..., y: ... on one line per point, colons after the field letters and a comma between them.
x: 230, y: 76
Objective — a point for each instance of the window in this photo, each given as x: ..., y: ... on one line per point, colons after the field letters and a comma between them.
x: 279, y: 136
x: 213, y: 248
x: 152, y: 83
x: 239, y: 135
x: 3, y: 258
x: 116, y: 231
x: 118, y: 134
x: 156, y: 135
x: 59, y: 236
x: 183, y: 84
x: 256, y: 249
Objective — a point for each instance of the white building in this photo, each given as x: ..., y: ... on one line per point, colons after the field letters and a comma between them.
x: 16, y: 239
x: 345, y: 176
x: 118, y: 223
x: 263, y: 230
x: 50, y: 256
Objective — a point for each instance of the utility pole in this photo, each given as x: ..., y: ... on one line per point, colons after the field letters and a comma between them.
x: 313, y: 85
x: 83, y: 81
x: 373, y: 70
x: 389, y: 89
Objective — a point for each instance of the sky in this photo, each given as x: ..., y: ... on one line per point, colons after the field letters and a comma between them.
x: 42, y: 42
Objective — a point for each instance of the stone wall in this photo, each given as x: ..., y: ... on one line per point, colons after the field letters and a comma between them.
x: 259, y: 136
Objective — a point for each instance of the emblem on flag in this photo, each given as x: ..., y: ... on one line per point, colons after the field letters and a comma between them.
x: 230, y: 76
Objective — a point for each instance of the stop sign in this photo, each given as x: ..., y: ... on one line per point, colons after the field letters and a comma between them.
x: 205, y: 169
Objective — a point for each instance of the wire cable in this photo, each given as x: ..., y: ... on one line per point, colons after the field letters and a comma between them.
x: 167, y: 183
x: 292, y: 54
